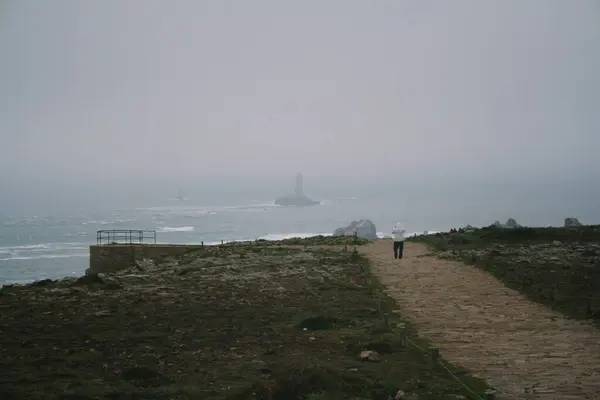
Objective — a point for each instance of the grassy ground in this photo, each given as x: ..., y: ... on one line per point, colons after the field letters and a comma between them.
x: 559, y: 267
x: 227, y: 322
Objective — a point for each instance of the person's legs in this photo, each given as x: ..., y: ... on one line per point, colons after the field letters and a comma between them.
x: 401, y: 249
x: 396, y: 249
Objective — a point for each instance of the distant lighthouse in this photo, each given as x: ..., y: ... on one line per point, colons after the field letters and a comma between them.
x: 299, y: 185
x: 298, y: 198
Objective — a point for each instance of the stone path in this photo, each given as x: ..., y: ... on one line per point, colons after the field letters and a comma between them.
x: 521, y: 348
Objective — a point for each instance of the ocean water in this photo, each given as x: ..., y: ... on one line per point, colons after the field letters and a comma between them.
x: 56, y: 244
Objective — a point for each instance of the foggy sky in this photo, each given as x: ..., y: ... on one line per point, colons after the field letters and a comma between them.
x: 181, y: 89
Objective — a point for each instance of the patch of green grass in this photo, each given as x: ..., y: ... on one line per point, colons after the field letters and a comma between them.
x: 222, y: 323
x: 321, y: 240
x: 558, y: 267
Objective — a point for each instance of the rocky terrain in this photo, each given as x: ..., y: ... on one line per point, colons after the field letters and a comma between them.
x: 559, y: 267
x: 288, y: 320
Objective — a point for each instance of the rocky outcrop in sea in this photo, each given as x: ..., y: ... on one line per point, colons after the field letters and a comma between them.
x: 572, y: 222
x: 362, y: 228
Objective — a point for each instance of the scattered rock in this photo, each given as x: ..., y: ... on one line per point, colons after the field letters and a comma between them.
x: 511, y: 223
x: 89, y: 278
x: 362, y: 228
x: 369, y: 355
x: 556, y: 242
x: 571, y: 222
x: 469, y: 228
x: 145, y: 264
x: 400, y: 395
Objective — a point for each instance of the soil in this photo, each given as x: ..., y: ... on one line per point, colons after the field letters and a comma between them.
x: 246, y: 321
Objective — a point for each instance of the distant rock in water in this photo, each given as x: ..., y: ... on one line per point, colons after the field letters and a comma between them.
x: 298, y: 198
x: 363, y: 228
x: 511, y: 223
x: 292, y: 200
x: 571, y: 222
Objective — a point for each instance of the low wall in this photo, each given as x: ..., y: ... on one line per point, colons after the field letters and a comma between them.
x: 114, y: 257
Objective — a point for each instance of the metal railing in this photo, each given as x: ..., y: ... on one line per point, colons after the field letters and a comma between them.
x: 123, y: 236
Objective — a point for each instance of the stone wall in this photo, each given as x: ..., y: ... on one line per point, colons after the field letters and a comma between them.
x: 114, y: 257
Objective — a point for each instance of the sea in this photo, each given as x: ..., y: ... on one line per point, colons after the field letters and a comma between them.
x: 55, y: 244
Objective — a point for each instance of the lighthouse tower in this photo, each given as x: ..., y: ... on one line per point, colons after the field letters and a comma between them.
x: 299, y: 185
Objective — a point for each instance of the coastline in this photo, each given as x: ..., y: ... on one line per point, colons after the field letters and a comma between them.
x: 163, y: 326
x: 81, y: 251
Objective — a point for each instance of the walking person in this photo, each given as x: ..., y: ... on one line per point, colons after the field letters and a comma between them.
x: 398, y: 236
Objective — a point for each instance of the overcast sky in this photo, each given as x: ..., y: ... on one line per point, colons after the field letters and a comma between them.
x: 157, y: 88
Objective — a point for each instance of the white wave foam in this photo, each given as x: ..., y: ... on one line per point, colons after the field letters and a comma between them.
x: 166, y: 229
x: 254, y: 207
x: 44, y: 256
x: 208, y: 210
x: 77, y: 234
x: 43, y: 246
x: 104, y: 222
x: 282, y: 236
x: 22, y: 250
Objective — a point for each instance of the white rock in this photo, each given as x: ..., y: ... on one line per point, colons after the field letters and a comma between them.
x: 363, y: 228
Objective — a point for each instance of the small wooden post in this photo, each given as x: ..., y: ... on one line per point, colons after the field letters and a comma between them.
x: 402, y: 333
x: 489, y: 395
x: 435, y: 355
x: 401, y: 326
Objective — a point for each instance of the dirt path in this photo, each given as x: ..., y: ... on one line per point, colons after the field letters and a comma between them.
x: 517, y: 345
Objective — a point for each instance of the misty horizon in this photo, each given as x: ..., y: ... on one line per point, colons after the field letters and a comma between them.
x: 129, y: 95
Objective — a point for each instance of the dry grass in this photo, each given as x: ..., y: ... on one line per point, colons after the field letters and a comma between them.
x: 226, y: 322
x: 557, y: 267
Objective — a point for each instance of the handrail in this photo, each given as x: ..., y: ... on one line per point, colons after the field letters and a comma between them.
x: 125, y: 236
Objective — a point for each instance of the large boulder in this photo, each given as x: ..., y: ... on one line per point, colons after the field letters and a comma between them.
x: 497, y: 224
x: 511, y: 223
x: 293, y: 200
x: 571, y: 222
x: 363, y: 228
